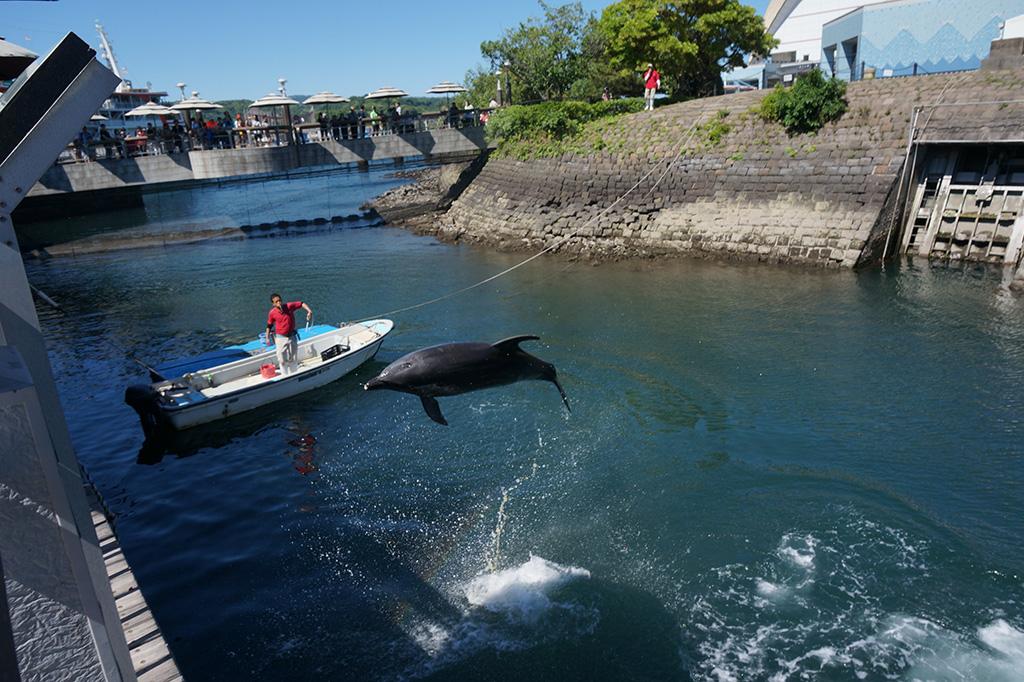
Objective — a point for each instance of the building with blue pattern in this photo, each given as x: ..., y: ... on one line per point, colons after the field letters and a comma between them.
x: 908, y: 37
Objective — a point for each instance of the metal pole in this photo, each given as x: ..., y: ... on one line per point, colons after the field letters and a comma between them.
x: 508, y: 81
x: 899, y: 188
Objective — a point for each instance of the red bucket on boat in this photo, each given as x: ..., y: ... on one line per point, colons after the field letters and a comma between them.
x: 268, y: 371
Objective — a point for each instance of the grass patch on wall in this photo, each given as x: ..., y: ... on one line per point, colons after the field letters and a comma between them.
x: 554, y: 128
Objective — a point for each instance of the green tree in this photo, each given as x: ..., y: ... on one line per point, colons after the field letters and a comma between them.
x: 689, y: 41
x: 545, y: 55
x: 482, y: 85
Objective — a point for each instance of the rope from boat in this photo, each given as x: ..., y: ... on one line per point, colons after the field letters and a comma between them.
x: 561, y: 240
x: 131, y: 356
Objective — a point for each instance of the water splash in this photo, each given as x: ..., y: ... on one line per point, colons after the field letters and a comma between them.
x: 520, y: 593
x: 494, y: 553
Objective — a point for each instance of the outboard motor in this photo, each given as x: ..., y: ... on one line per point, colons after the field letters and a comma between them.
x: 145, y: 400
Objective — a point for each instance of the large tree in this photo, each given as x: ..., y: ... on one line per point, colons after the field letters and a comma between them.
x: 689, y: 41
x: 543, y: 54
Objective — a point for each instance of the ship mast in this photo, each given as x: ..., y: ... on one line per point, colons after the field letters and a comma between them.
x: 108, y: 55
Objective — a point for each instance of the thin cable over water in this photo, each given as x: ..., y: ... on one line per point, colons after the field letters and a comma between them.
x: 558, y: 242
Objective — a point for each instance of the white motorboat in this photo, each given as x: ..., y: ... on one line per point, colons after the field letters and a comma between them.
x: 212, y: 393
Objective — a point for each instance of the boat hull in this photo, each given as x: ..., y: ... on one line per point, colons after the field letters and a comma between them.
x: 225, y: 390
x: 287, y: 387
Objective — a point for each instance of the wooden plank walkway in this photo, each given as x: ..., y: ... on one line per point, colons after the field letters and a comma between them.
x: 151, y: 658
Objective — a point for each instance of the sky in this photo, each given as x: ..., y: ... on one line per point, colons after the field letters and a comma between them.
x: 235, y: 50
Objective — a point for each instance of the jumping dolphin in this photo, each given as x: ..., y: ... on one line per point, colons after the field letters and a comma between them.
x: 454, y: 368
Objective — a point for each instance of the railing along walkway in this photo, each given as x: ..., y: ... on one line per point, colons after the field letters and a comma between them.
x: 151, y: 658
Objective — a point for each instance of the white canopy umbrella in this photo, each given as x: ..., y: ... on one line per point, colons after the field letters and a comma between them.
x: 277, y: 100
x: 446, y: 88
x: 151, y: 109
x: 13, y: 59
x: 386, y: 93
x: 274, y: 100
x: 325, y: 98
x: 98, y: 117
x: 194, y: 103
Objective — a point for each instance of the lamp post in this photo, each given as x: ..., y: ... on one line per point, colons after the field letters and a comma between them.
x: 508, y: 80
x: 188, y: 114
x: 501, y: 96
x: 288, y: 117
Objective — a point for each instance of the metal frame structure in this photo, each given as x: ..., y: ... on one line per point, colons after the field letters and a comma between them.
x: 38, y: 115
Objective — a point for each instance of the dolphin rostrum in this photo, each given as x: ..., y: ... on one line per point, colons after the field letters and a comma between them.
x: 454, y: 368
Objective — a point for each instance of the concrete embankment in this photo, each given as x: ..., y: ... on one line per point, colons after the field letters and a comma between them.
x: 756, y: 193
x: 87, y: 187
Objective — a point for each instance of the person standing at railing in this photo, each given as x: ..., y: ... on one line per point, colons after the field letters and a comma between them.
x: 237, y: 126
x: 362, y: 121
x: 393, y: 119
x: 353, y: 122
x: 374, y: 121
x: 324, y: 124
x: 107, y: 140
x: 178, y: 136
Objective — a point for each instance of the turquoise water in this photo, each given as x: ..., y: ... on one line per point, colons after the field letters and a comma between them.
x: 768, y: 473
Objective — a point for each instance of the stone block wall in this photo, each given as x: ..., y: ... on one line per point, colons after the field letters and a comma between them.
x: 757, y: 194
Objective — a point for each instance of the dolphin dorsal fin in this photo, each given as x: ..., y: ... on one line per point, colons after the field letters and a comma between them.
x: 511, y: 344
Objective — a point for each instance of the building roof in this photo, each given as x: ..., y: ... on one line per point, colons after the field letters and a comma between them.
x: 778, y: 11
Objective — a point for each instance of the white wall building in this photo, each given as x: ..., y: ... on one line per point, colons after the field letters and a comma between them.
x: 797, y: 24
x: 1013, y: 28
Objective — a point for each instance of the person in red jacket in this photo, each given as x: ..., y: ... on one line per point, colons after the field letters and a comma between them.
x: 281, y: 322
x: 652, y: 81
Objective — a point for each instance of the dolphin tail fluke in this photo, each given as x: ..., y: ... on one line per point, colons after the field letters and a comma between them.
x: 561, y: 392
x: 433, y: 410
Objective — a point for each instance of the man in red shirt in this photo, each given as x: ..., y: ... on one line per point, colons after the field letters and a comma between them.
x: 281, y: 322
x: 652, y: 81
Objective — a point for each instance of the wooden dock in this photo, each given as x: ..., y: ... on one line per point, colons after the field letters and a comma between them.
x: 151, y: 658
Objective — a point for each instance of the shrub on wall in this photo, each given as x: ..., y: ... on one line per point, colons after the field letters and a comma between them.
x: 812, y: 102
x: 549, y: 128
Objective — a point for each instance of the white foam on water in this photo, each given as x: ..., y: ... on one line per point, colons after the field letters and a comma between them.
x: 506, y: 610
x: 430, y: 637
x: 1005, y: 639
x: 798, y: 550
x: 815, y: 607
x: 917, y: 648
x: 773, y: 592
x: 521, y: 592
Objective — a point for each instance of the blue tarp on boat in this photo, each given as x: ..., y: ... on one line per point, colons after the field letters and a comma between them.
x: 175, y: 368
x: 195, y: 363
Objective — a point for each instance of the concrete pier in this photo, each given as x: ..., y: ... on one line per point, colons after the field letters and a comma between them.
x: 168, y: 169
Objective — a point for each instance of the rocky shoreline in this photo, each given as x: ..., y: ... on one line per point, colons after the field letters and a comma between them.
x: 420, y: 204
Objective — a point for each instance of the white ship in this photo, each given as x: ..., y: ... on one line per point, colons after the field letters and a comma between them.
x: 126, y: 97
